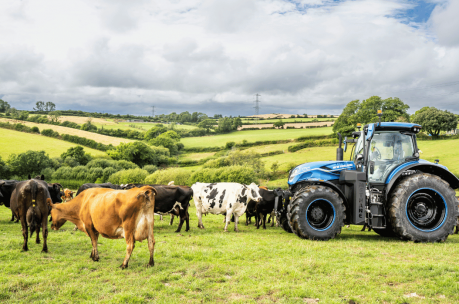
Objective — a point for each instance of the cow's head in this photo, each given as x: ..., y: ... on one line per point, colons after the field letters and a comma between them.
x: 56, y: 215
x: 254, y: 193
x: 55, y: 192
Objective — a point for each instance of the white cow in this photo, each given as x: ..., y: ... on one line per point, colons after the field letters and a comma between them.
x: 224, y: 198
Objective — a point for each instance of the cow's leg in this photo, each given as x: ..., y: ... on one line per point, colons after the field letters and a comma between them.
x: 264, y: 220
x: 94, y: 235
x: 44, y: 226
x: 199, y: 215
x: 12, y: 216
x: 130, y: 244
x: 15, y: 216
x: 229, y: 213
x: 457, y: 228
x: 187, y: 220
x: 364, y: 227
x: 37, y: 239
x: 151, y: 245
x: 246, y: 220
x: 160, y: 217
x: 236, y: 221
x: 269, y: 218
x: 172, y: 220
x: 182, y: 214
x: 273, y: 216
x: 25, y: 232
x: 257, y: 219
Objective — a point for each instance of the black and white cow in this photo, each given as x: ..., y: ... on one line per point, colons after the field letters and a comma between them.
x: 221, y: 198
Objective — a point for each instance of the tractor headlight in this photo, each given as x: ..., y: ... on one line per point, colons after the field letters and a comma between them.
x: 293, y: 174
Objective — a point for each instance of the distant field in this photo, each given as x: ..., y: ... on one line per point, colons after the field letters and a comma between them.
x: 19, y: 142
x: 252, y: 136
x: 447, y: 151
x: 263, y: 121
x: 139, y: 126
x: 196, y: 156
x: 64, y: 130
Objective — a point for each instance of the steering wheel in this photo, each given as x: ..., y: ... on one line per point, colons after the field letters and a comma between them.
x: 375, y: 155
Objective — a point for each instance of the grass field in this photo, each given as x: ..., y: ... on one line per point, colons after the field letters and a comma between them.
x: 252, y: 266
x: 19, y: 142
x: 64, y: 130
x: 286, y: 120
x: 252, y: 136
x: 138, y: 126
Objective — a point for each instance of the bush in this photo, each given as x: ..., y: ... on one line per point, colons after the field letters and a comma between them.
x: 69, y: 183
x: 230, y: 145
x: 35, y: 130
x: 78, y: 154
x: 49, y: 133
x: 4, y: 170
x: 71, y: 161
x: 150, y: 168
x: 235, y: 174
x: 134, y: 176
x: 217, y: 163
x: 30, y: 162
x: 163, y: 177
x: 140, y: 154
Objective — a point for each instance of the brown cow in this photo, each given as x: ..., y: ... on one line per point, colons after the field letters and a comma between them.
x: 68, y: 195
x: 114, y: 214
x: 29, y: 204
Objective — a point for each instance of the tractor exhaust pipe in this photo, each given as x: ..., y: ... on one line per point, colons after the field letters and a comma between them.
x: 339, y: 150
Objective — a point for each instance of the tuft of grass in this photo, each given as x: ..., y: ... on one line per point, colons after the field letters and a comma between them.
x: 253, y: 266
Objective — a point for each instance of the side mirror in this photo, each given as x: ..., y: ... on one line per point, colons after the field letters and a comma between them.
x: 359, y: 157
x: 372, y: 167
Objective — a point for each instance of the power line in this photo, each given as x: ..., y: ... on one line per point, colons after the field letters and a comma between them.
x: 153, y: 111
x: 257, y: 107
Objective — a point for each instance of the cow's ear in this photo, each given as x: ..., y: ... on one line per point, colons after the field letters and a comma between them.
x: 42, y: 177
x: 29, y: 177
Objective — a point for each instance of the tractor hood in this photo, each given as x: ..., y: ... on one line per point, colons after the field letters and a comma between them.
x: 319, y: 171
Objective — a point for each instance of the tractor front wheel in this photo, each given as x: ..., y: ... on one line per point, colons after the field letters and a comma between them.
x: 423, y: 208
x: 316, y: 213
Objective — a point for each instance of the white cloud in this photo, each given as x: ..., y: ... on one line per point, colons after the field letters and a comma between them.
x: 307, y: 56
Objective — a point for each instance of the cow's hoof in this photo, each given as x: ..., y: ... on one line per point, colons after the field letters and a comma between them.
x: 264, y: 228
x: 45, y: 250
x: 123, y: 266
x: 37, y: 242
x: 25, y: 249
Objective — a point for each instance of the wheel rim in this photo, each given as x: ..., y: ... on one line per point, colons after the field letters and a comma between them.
x: 320, y: 214
x: 426, y: 209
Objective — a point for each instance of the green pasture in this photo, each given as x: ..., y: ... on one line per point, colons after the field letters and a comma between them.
x: 286, y: 120
x: 196, y: 156
x: 19, y: 142
x: 139, y: 126
x: 252, y: 136
x: 252, y: 266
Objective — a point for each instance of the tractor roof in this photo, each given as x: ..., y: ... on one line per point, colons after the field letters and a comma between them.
x: 397, y: 126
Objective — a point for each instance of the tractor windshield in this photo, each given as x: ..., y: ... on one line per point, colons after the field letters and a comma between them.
x: 388, y: 150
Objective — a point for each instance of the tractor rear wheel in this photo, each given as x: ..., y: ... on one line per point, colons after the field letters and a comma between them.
x: 423, y: 208
x: 283, y: 221
x: 316, y: 213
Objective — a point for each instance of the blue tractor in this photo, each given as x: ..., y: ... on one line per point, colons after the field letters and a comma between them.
x: 384, y: 185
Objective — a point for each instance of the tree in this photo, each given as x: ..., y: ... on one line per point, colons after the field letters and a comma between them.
x: 155, y: 131
x: 305, y: 115
x: 78, y: 154
x: 207, y: 124
x: 279, y: 124
x: 55, y: 116
x: 237, y: 122
x: 4, y: 170
x: 39, y: 106
x: 275, y: 166
x: 30, y: 162
x: 168, y: 140
x: 140, y: 154
x: 433, y: 120
x: 4, y: 106
x: 345, y: 124
x: 225, y: 125
x: 50, y: 106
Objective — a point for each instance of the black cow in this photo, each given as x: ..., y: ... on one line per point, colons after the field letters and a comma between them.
x: 6, y: 189
x: 173, y: 200
x: 89, y: 185
x: 266, y: 206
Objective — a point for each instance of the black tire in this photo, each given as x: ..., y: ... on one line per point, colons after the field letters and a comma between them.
x: 316, y: 213
x: 423, y: 208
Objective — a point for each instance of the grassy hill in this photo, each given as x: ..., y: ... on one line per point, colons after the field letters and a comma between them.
x: 252, y: 136
x: 104, y: 139
x: 19, y: 142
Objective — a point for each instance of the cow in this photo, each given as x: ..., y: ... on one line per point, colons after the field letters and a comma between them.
x: 112, y: 214
x: 266, y: 205
x: 6, y: 190
x: 66, y: 195
x: 29, y: 203
x: 105, y: 185
x: 173, y: 200
x: 218, y: 198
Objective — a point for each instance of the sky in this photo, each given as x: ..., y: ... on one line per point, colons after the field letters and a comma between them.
x: 301, y: 56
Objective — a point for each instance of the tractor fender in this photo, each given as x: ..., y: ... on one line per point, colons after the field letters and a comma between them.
x: 323, y: 183
x: 431, y: 168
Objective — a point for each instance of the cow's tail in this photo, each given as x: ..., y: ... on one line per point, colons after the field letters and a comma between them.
x: 33, y: 215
